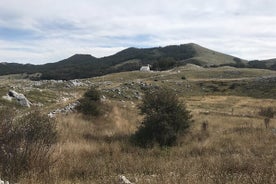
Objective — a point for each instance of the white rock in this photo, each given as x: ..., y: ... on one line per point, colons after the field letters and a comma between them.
x: 124, y: 180
x: 21, y: 99
x: 65, y: 110
x: 4, y: 182
x: 7, y: 97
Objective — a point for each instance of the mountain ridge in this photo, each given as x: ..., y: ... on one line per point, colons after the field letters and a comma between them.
x: 161, y: 58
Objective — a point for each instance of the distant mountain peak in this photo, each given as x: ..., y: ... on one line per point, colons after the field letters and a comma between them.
x: 83, y: 56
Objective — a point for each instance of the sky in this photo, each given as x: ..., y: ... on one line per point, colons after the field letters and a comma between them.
x: 43, y: 31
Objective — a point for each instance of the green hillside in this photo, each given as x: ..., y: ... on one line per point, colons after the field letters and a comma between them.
x: 131, y: 59
x: 209, y: 57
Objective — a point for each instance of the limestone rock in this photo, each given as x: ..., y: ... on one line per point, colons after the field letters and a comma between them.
x: 19, y: 97
x: 65, y: 110
x: 124, y: 180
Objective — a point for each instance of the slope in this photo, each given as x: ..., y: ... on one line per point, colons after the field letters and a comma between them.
x: 161, y: 58
x: 209, y: 57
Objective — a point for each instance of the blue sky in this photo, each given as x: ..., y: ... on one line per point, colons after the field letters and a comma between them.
x: 41, y: 31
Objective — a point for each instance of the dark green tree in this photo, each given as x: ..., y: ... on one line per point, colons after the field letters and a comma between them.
x: 166, y: 118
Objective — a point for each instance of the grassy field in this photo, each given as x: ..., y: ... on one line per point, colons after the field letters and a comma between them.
x: 235, y: 148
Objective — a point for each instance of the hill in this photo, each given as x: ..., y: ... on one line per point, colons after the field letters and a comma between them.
x: 270, y: 63
x: 161, y: 58
x: 207, y: 57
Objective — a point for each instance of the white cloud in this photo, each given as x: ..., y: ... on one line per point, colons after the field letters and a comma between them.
x: 57, y: 29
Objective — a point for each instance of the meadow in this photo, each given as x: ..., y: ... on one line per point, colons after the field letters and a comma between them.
x: 236, y: 147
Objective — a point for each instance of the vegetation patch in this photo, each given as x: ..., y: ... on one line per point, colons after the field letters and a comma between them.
x: 166, y: 119
x: 26, y: 144
x: 90, y: 104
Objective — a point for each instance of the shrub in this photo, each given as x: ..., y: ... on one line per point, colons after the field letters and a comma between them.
x: 90, y: 104
x: 25, y: 144
x: 93, y: 94
x: 166, y: 118
x: 267, y: 112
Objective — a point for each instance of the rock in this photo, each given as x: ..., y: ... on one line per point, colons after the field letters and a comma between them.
x: 4, y: 182
x: 124, y: 180
x: 7, y: 97
x: 67, y: 109
x: 21, y: 99
x: 103, y: 98
x: 52, y: 114
x: 76, y: 83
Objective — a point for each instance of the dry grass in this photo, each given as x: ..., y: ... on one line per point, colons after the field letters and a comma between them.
x: 234, y: 149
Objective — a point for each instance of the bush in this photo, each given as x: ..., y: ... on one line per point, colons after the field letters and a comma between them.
x: 25, y: 144
x: 93, y: 95
x: 166, y: 118
x: 267, y: 112
x: 90, y: 104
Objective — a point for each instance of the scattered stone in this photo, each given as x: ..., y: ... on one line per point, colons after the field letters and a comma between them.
x: 67, y: 109
x: 37, y: 83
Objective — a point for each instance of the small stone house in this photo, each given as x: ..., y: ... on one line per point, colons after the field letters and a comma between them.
x: 145, y: 68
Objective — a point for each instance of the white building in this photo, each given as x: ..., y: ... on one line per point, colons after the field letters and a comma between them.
x: 145, y: 68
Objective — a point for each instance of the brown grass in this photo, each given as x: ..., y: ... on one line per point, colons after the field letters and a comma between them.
x: 236, y: 148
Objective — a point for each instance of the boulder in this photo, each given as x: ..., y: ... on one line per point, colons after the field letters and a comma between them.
x: 124, y: 180
x: 20, y: 98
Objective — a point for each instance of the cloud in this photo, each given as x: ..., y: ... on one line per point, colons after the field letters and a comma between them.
x: 48, y: 30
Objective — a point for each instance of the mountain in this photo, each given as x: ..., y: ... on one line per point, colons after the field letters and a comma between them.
x: 263, y: 64
x: 161, y: 58
x: 270, y: 63
x: 14, y: 68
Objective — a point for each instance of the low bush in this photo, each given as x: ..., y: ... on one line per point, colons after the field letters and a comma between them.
x: 267, y: 112
x: 25, y: 144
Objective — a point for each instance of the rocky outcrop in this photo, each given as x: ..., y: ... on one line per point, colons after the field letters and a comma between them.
x: 65, y: 110
x: 19, y: 97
